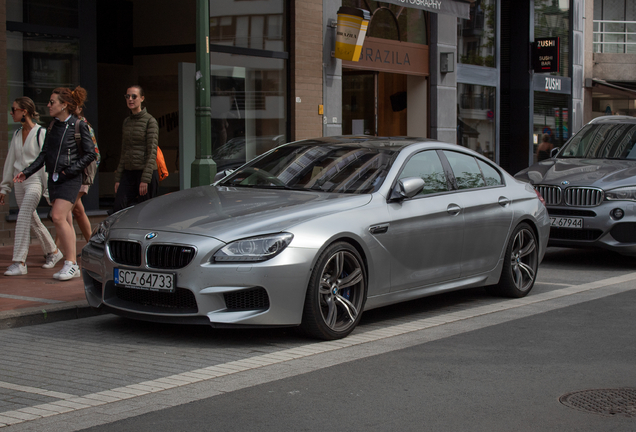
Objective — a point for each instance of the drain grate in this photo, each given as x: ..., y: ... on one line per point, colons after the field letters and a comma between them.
x: 609, y: 402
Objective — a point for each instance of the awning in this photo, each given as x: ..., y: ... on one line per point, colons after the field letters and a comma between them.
x: 608, y: 88
x: 458, y: 8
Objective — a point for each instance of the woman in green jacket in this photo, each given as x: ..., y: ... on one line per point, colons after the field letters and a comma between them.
x: 136, y: 178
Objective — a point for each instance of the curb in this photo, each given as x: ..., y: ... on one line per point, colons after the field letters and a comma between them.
x: 48, y: 314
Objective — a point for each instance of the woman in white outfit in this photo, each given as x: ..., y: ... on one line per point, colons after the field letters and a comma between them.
x: 25, y: 147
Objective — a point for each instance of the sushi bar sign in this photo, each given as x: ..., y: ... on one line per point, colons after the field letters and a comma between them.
x: 545, y: 55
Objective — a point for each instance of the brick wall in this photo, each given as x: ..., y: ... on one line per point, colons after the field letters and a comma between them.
x: 306, y: 68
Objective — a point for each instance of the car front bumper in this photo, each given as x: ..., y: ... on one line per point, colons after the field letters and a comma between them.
x: 268, y: 293
x: 600, y: 228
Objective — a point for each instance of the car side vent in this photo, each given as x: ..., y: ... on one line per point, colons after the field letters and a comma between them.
x: 169, y: 256
x: 583, y: 197
x: 551, y: 194
x: 125, y: 252
x: 249, y: 299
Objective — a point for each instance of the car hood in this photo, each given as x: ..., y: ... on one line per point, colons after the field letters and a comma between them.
x: 601, y: 173
x: 231, y: 213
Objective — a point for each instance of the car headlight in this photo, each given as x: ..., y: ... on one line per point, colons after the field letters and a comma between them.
x: 100, y: 233
x: 627, y: 193
x: 254, y: 249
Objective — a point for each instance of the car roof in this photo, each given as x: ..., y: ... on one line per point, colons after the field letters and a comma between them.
x: 613, y: 119
x: 396, y: 143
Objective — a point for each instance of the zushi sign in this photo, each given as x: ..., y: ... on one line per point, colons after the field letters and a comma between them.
x: 350, y: 32
x: 546, y: 55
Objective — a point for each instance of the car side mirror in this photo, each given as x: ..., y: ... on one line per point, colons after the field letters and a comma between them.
x: 407, y: 188
x: 554, y: 151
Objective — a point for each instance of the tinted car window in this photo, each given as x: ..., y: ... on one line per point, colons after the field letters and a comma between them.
x: 325, y: 168
x: 602, y: 141
x: 428, y: 167
x: 491, y: 175
x: 467, y: 172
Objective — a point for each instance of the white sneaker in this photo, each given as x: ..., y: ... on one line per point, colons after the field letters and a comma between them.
x: 69, y: 271
x: 16, y: 269
x: 52, y: 259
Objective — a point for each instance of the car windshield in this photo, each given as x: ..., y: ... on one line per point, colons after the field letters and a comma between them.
x: 328, y: 168
x: 602, y: 141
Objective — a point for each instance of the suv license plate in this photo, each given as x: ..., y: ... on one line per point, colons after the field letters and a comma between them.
x: 563, y: 222
x: 145, y: 280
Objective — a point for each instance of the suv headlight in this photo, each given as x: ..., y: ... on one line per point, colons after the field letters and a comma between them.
x: 627, y: 193
x: 254, y: 249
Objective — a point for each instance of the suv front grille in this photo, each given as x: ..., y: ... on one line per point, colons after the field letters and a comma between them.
x: 583, y: 197
x: 551, y: 194
x: 125, y: 252
x: 169, y: 256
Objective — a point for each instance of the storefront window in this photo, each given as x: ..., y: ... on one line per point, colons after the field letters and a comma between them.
x: 248, y: 107
x: 476, y: 118
x: 393, y: 22
x: 248, y: 92
x: 551, y: 19
x: 36, y: 65
x: 551, y: 116
x: 476, y: 36
x: 58, y: 13
x: 240, y: 24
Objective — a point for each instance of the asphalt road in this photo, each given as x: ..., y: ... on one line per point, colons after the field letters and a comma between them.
x: 461, y: 361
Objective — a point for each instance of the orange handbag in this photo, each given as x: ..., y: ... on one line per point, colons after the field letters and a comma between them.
x: 162, y: 170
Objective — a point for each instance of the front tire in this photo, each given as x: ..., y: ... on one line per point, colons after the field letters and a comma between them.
x: 336, y: 293
x: 520, y: 264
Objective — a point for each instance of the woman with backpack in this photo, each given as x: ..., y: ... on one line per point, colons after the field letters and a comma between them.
x: 65, y: 160
x: 25, y: 147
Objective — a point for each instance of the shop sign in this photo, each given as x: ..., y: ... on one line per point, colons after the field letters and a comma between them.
x: 392, y: 56
x: 546, y: 55
x: 552, y: 84
x: 350, y: 31
x: 458, y: 8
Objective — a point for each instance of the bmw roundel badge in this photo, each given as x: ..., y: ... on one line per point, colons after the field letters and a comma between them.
x: 565, y: 182
x: 151, y: 235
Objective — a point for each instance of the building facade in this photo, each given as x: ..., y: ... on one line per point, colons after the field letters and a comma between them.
x: 461, y: 73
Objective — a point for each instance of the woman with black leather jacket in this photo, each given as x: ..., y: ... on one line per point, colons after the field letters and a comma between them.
x: 65, y: 163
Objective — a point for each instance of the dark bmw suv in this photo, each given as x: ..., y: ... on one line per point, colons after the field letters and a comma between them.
x: 589, y: 186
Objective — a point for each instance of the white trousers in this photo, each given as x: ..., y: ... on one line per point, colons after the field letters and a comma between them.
x: 28, y: 195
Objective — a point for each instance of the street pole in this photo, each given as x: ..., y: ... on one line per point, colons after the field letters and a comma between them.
x: 203, y: 167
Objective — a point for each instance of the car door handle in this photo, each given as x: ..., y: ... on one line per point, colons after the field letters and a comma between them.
x: 503, y: 201
x: 453, y: 209
x: 379, y: 229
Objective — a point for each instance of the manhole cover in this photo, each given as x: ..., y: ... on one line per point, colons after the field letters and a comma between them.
x: 620, y: 402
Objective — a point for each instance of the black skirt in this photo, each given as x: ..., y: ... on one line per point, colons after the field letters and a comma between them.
x: 64, y: 188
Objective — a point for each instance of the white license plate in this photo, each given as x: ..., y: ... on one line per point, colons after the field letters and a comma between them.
x: 145, y: 280
x: 564, y: 222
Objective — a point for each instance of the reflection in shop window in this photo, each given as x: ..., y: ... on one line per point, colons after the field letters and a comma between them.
x: 245, y: 25
x: 476, y: 36
x: 36, y: 65
x: 476, y: 118
x: 248, y: 107
x: 393, y: 22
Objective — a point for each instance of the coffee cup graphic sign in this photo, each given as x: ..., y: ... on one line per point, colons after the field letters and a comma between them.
x: 350, y: 32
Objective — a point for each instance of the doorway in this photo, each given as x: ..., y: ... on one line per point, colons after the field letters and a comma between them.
x: 374, y: 103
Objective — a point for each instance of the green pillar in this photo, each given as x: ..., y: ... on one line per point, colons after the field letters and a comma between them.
x: 203, y: 167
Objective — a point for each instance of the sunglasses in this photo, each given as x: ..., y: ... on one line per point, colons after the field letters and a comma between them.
x: 130, y: 96
x: 13, y: 110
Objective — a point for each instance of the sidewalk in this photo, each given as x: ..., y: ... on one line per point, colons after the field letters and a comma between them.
x: 37, y: 298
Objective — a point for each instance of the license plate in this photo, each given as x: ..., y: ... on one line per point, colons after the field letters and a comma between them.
x: 145, y: 280
x: 564, y: 222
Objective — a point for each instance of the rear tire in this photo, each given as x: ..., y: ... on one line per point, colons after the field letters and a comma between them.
x: 336, y: 293
x: 520, y: 264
